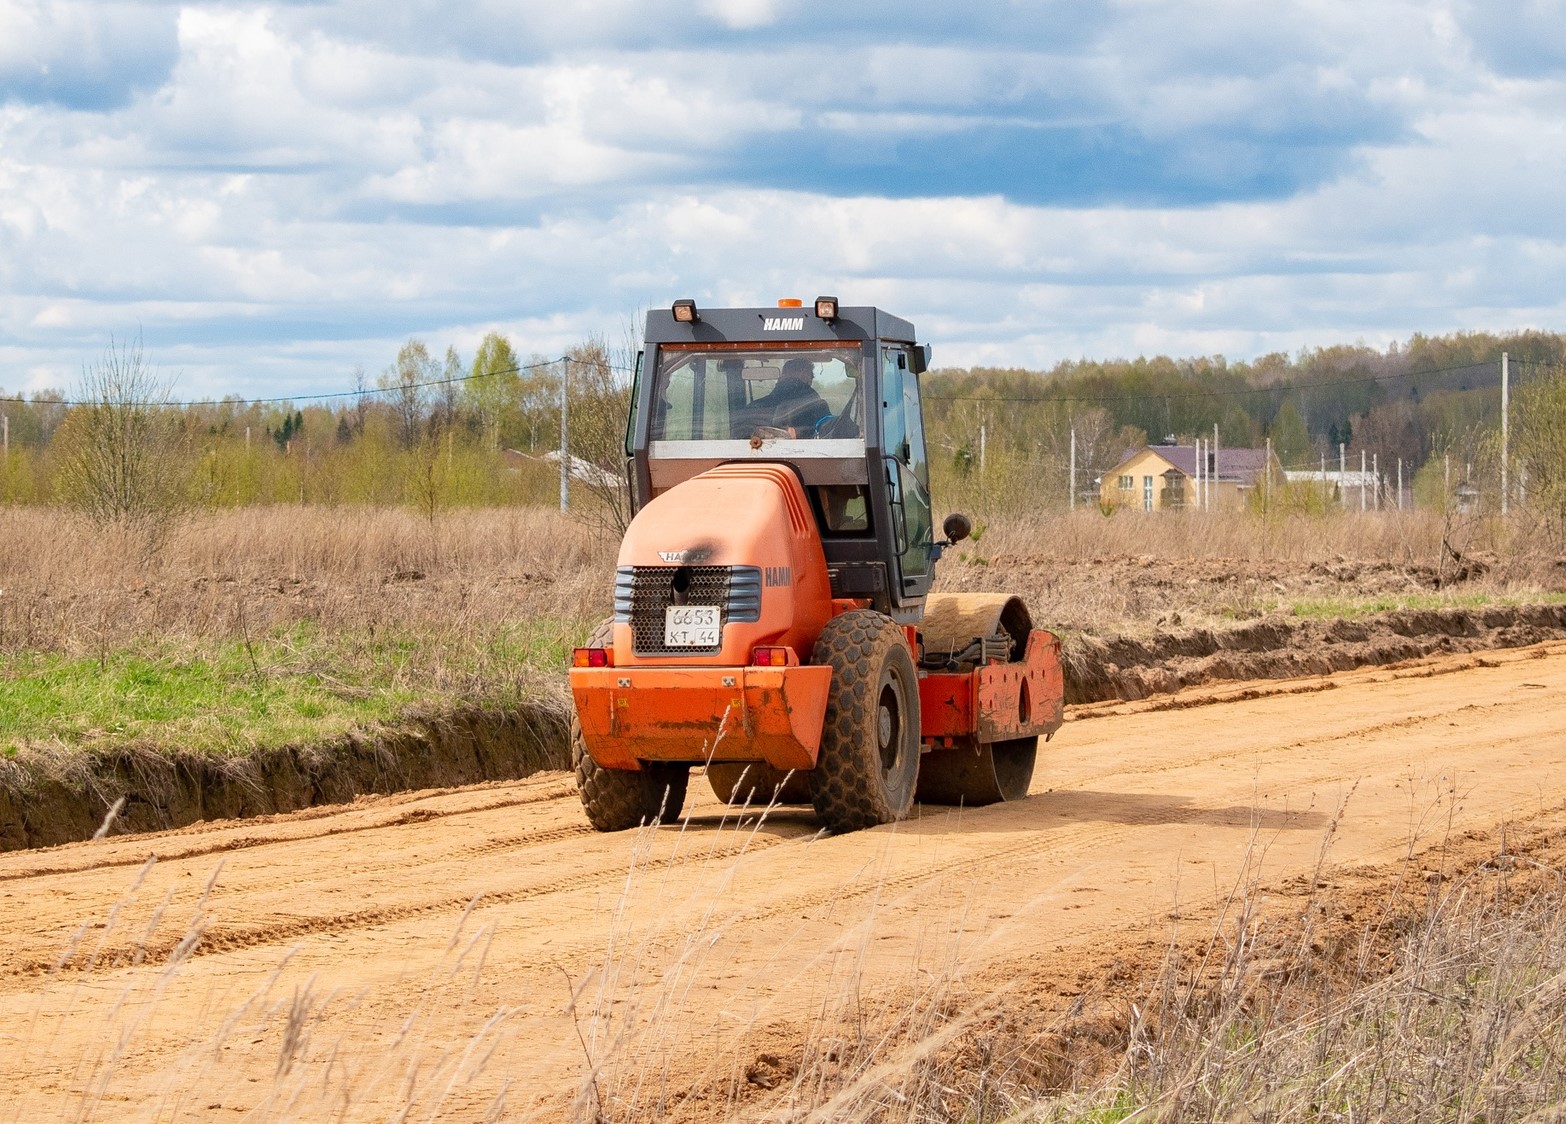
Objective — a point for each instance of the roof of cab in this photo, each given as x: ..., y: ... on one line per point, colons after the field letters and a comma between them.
x: 769, y: 325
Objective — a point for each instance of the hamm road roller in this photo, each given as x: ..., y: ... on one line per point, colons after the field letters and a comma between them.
x: 773, y: 620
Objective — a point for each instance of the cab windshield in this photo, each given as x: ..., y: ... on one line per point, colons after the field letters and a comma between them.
x: 723, y: 395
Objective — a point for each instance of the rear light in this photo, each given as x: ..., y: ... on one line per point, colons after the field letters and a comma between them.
x: 592, y: 657
x: 770, y: 657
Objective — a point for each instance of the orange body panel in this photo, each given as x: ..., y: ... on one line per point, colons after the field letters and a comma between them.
x: 737, y: 515
x: 946, y: 702
x: 998, y: 702
x: 712, y: 706
x: 633, y: 714
x: 1017, y: 700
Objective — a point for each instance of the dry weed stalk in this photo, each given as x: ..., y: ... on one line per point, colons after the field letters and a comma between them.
x: 1447, y: 1003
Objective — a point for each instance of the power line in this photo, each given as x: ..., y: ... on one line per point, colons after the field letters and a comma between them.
x: 363, y: 392
x: 1274, y: 388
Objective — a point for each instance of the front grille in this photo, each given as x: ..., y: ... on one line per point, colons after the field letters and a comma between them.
x: 642, y: 594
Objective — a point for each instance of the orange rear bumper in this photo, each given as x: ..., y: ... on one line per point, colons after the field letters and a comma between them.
x: 632, y: 714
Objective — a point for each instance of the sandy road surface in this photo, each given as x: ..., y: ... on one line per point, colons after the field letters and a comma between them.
x: 424, y: 950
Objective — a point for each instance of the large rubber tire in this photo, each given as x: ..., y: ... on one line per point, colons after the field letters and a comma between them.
x: 616, y: 799
x: 869, y: 761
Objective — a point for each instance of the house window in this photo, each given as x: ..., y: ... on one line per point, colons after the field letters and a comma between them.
x: 1147, y: 493
x: 1127, y: 483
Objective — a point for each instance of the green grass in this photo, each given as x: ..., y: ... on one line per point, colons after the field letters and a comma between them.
x: 303, y: 685
x: 1340, y: 607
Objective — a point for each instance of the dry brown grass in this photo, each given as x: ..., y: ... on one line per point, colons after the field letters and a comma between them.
x: 71, y: 585
x: 1438, y: 995
x: 483, y: 605
x: 1408, y: 537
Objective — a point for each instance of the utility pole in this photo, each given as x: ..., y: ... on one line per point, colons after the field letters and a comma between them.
x: 982, y: 441
x: 1201, y: 476
x: 1506, y: 396
x: 1400, y: 483
x: 565, y: 434
x: 1267, y: 484
x: 1342, y: 468
x: 1362, y: 480
x: 1375, y: 474
x: 1217, y: 475
x: 1073, y: 469
x: 5, y: 426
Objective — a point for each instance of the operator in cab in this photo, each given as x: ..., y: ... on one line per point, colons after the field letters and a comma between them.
x: 793, y: 403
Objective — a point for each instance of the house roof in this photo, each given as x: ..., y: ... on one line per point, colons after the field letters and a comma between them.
x: 1241, y: 465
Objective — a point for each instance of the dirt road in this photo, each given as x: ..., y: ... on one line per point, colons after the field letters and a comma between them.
x: 463, y: 953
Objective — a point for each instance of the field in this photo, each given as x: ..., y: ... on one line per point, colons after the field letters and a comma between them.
x: 267, y: 659
x: 1297, y: 851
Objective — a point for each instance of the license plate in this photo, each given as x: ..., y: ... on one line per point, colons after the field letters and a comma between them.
x: 691, y: 626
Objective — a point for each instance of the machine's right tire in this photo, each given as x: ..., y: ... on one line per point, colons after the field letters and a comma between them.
x: 617, y: 799
x: 869, y: 760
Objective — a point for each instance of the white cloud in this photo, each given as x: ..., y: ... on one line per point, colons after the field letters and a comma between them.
x: 88, y: 54
x: 743, y: 14
x: 301, y: 187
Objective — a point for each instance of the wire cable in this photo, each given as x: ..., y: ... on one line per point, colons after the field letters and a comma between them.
x: 363, y: 392
x: 1272, y: 388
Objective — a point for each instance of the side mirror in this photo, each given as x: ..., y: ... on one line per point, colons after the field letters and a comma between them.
x: 957, y: 527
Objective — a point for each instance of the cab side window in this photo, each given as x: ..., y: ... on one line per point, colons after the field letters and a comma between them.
x: 902, y: 442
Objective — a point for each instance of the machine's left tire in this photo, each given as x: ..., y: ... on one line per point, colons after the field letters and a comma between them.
x: 617, y: 799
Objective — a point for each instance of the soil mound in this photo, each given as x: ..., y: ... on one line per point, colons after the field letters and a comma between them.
x: 1100, y: 668
x: 51, y: 798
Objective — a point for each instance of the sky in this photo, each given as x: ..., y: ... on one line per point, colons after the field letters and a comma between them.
x: 271, y: 196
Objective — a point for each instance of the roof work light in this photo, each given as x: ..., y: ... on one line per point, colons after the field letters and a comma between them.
x: 826, y: 308
x: 685, y: 312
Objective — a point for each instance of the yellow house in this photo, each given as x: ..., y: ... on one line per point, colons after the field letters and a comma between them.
x: 1168, y: 477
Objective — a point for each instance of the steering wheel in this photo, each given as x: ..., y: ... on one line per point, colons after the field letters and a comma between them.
x: 825, y: 423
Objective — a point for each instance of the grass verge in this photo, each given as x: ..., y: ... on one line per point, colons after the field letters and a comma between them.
x: 299, y: 685
x: 1348, y: 607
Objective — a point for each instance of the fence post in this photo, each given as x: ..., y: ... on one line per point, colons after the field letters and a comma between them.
x: 565, y: 434
x: 1505, y: 426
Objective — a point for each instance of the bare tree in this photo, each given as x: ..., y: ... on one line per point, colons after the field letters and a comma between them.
x: 600, y: 400
x: 361, y: 400
x: 1541, y: 450
x: 408, y: 379
x: 450, y: 390
x: 121, y: 458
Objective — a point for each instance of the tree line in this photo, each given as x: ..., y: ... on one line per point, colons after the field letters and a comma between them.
x: 433, y: 432
x: 425, y: 433
x: 1432, y: 403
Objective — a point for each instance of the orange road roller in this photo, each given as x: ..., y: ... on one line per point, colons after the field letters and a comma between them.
x: 773, y: 620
